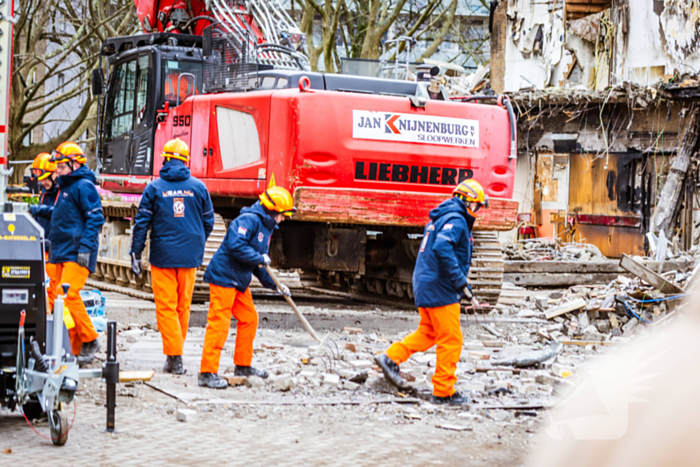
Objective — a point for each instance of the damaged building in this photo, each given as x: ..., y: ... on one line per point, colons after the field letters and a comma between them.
x: 604, y: 91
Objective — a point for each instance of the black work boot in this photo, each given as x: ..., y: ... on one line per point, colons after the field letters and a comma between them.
x: 87, y: 352
x: 391, y: 370
x: 454, y: 399
x: 212, y: 380
x: 250, y: 371
x: 173, y: 365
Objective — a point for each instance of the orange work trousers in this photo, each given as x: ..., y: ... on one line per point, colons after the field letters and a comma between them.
x: 225, y: 302
x: 54, y: 278
x: 437, y: 326
x: 76, y: 276
x: 172, y: 291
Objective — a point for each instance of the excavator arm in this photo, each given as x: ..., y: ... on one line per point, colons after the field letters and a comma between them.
x: 258, y: 21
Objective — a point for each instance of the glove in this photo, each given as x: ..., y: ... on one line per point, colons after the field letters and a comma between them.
x: 136, y: 264
x: 468, y: 294
x: 284, y: 290
x: 83, y: 259
x: 266, y: 260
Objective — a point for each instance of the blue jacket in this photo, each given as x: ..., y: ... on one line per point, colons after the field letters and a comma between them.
x: 48, y: 198
x: 240, y: 254
x: 76, y: 219
x: 444, y: 256
x: 178, y: 210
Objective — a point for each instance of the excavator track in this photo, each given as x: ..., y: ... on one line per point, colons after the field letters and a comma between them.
x: 486, y: 271
x: 114, y: 265
x: 485, y: 276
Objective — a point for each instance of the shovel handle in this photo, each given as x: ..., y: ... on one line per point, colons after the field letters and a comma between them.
x: 301, y: 317
x: 22, y: 317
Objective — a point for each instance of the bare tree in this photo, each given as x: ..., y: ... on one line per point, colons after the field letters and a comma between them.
x: 58, y: 38
x: 363, y: 25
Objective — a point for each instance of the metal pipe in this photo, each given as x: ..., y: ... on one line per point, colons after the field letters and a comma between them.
x: 110, y: 373
x: 194, y: 86
x: 57, y: 351
x: 511, y: 120
x: 301, y: 317
x: 223, y: 11
x: 472, y: 98
x: 98, y: 130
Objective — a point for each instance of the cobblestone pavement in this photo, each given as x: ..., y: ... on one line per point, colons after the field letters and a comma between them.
x: 264, y: 435
x: 308, y: 425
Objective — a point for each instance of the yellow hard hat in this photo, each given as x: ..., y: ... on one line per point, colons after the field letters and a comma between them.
x: 68, y: 151
x: 176, y: 149
x: 42, y: 167
x: 471, y: 191
x: 278, y: 199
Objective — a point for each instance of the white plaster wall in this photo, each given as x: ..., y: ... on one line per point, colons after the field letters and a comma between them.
x: 522, y: 72
x: 646, y: 48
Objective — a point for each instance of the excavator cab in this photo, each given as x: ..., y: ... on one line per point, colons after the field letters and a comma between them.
x: 147, y: 75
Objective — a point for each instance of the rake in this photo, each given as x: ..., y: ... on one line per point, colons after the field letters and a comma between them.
x: 329, y: 351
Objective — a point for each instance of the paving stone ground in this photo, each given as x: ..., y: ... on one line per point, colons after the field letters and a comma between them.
x: 242, y: 426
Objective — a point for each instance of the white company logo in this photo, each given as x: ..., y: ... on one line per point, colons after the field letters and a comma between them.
x: 389, y: 126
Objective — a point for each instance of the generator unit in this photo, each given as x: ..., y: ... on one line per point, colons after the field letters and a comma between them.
x: 22, y: 278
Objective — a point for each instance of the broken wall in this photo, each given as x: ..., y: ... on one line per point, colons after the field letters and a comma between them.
x: 589, y: 170
x: 644, y: 42
x: 533, y: 47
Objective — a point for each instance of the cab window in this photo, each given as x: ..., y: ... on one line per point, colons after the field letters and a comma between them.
x: 127, y: 100
x: 120, y: 105
x: 181, y: 79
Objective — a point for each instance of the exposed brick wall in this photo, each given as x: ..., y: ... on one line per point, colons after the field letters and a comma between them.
x: 498, y: 47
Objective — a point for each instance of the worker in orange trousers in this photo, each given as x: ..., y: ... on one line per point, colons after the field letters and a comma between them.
x: 44, y: 171
x: 242, y: 254
x: 439, y: 282
x: 178, y: 210
x: 76, y: 221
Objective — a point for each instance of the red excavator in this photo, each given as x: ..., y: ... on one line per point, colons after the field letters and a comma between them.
x: 365, y: 158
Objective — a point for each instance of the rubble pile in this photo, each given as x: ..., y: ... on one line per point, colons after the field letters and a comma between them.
x: 636, y: 95
x: 600, y: 315
x: 516, y: 358
x: 301, y: 373
x: 466, y: 85
x: 550, y: 249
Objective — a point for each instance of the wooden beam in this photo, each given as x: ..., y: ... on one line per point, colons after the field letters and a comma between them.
x: 589, y: 2
x: 585, y: 267
x: 649, y: 276
x: 586, y: 8
x: 565, y: 308
x: 558, y: 279
x: 129, y: 376
x: 587, y: 343
x: 671, y: 191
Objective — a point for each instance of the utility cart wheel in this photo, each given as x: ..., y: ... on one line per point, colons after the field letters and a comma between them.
x: 59, y: 428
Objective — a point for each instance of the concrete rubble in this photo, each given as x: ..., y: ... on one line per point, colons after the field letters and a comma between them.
x: 549, y: 249
x: 515, y: 358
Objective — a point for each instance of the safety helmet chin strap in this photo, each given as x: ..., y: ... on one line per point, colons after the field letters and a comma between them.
x: 270, y: 198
